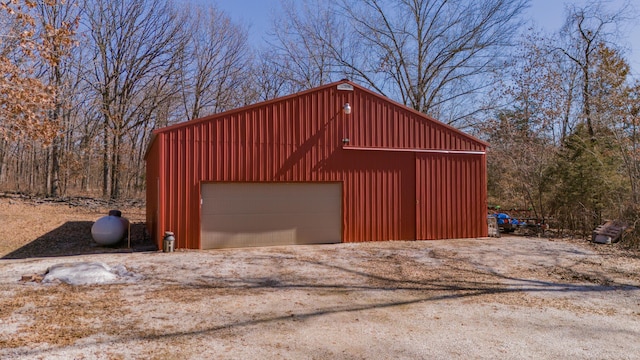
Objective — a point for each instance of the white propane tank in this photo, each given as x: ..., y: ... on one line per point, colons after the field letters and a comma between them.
x: 109, y: 230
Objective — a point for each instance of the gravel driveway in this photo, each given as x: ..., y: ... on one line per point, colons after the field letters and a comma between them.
x: 513, y: 297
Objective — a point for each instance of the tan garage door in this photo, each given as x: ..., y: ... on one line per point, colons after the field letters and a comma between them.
x: 265, y: 214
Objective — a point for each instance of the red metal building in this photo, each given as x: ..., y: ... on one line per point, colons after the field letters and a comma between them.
x: 308, y: 168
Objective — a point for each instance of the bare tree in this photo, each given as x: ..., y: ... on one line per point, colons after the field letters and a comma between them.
x: 57, y: 25
x: 585, y: 29
x: 271, y: 79
x: 215, y: 62
x: 304, y: 45
x: 81, y: 116
x: 426, y: 53
x: 133, y: 44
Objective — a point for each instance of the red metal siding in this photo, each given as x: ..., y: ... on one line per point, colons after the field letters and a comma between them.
x: 181, y: 188
x: 451, y: 196
x: 378, y: 123
x: 299, y: 139
x: 379, y: 189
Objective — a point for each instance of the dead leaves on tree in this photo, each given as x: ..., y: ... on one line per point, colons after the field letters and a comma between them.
x: 25, y: 99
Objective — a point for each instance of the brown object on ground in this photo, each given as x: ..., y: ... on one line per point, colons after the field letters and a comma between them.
x: 512, y: 297
x: 609, y: 232
x: 32, y: 278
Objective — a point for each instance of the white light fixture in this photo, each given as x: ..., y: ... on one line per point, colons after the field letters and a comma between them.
x: 347, y: 108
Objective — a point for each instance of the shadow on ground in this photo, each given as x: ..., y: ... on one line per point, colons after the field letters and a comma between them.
x: 74, y: 238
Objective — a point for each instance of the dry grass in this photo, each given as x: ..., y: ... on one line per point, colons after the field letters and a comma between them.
x: 61, y: 315
x: 36, y: 229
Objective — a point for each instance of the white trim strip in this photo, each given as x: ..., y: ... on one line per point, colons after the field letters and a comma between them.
x: 431, y: 151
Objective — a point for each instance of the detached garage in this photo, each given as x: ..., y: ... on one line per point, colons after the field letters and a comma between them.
x: 337, y: 163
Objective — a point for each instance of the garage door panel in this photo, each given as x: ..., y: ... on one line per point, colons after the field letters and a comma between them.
x: 235, y: 202
x: 265, y: 207
x: 234, y: 240
x: 259, y: 214
x: 263, y: 222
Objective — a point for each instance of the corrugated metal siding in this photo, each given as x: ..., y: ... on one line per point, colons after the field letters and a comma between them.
x: 299, y: 138
x: 181, y: 188
x: 378, y: 123
x: 451, y: 196
x: 379, y: 195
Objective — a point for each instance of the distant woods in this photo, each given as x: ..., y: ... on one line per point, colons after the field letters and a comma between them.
x: 84, y: 82
x: 565, y: 141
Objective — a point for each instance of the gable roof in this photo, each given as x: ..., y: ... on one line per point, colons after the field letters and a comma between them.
x: 387, y: 103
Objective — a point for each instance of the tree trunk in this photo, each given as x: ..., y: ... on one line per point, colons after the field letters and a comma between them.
x: 586, y: 111
x: 3, y: 152
x: 55, y: 168
x: 115, y: 165
x: 105, y: 159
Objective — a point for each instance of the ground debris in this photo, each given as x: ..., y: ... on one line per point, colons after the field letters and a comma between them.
x: 609, y: 232
x: 32, y: 278
x: 72, y: 201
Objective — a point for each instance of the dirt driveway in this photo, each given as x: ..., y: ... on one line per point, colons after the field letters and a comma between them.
x: 482, y: 298
x: 506, y: 298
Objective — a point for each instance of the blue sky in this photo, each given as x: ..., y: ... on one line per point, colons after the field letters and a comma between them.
x: 547, y: 14
x: 257, y: 14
